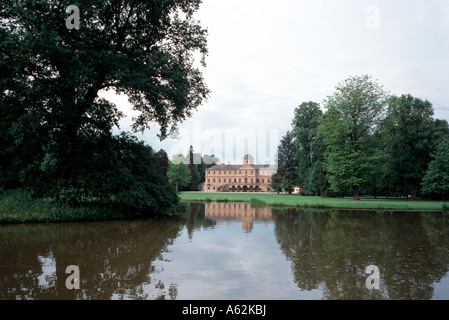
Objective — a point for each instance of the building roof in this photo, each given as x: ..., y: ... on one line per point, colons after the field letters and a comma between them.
x: 248, y: 156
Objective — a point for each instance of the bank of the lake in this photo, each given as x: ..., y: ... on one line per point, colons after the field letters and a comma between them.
x: 294, y: 200
x: 17, y: 206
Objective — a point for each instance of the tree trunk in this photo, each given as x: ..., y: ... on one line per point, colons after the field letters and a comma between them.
x: 356, y: 193
x: 413, y: 187
x: 176, y: 186
x: 388, y: 189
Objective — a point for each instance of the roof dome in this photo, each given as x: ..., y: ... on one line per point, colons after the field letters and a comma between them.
x: 248, y: 156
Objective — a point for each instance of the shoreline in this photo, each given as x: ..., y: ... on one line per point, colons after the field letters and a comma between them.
x: 317, y: 207
x: 20, y: 210
x: 297, y: 201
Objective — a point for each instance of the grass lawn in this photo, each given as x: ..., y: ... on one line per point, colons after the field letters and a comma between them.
x: 310, y: 201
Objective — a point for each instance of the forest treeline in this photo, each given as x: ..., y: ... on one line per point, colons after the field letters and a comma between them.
x: 365, y: 142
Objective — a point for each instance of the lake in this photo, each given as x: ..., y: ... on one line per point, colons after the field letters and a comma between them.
x: 231, y: 251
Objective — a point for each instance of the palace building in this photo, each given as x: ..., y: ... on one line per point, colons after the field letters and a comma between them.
x: 246, y: 177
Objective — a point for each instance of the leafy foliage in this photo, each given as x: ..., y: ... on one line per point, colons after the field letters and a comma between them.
x: 436, y: 178
x: 178, y: 172
x: 412, y: 135
x: 353, y: 113
x: 287, y: 172
x: 307, y: 118
x: 56, y: 127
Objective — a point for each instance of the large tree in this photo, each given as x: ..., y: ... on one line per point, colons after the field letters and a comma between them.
x: 305, y: 124
x: 413, y: 134
x: 52, y: 75
x: 287, y: 168
x: 353, y: 113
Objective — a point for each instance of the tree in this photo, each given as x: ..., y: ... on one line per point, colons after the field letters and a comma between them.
x: 413, y: 138
x: 125, y: 175
x: 161, y: 161
x: 436, y: 178
x: 144, y: 49
x: 202, y: 166
x: 194, y: 174
x: 286, y: 165
x: 276, y: 182
x: 353, y: 113
x: 178, y: 172
x: 308, y: 145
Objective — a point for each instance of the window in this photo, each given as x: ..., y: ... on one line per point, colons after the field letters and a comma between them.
x: 224, y: 180
x: 235, y: 180
x: 219, y: 180
x: 213, y: 181
x: 208, y: 188
x: 208, y: 180
x: 263, y: 180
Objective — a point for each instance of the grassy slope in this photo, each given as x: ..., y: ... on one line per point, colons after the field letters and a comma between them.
x: 16, y: 206
x: 302, y: 201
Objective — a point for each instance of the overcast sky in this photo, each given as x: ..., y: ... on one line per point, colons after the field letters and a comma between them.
x: 267, y: 57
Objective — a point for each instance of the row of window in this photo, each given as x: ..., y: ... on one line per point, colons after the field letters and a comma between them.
x: 234, y: 172
x: 213, y: 188
x: 240, y: 180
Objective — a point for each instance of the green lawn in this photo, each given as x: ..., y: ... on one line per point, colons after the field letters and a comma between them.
x: 303, y: 201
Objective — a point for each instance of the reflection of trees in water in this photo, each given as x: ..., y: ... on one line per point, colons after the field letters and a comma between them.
x: 196, y: 218
x: 113, y: 257
x: 328, y: 250
x: 331, y: 249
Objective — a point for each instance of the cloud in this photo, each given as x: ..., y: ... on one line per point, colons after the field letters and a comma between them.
x: 266, y: 58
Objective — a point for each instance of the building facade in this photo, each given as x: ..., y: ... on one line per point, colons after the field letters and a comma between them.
x: 246, y: 177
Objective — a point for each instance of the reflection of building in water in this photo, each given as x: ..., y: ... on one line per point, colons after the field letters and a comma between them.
x: 241, y: 211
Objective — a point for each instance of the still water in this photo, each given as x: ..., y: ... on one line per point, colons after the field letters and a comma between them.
x: 231, y: 251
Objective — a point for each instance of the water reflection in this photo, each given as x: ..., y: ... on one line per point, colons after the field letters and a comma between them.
x: 241, y: 211
x: 332, y: 249
x: 289, y: 254
x: 114, y: 259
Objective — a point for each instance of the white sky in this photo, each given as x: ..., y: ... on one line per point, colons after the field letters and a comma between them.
x: 267, y: 57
